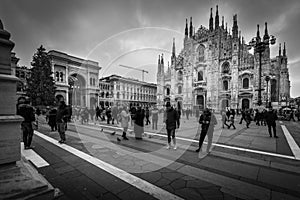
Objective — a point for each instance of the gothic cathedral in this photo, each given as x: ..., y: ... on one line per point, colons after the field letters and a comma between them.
x: 216, y: 70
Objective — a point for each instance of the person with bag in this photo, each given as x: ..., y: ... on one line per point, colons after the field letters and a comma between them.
x: 27, y: 112
x: 154, y: 114
x: 171, y: 120
x: 61, y: 114
x: 208, y: 122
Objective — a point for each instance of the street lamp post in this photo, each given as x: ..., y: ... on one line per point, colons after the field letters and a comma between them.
x: 259, y: 47
x: 267, y: 99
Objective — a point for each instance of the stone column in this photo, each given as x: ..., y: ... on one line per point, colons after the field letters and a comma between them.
x: 10, y: 136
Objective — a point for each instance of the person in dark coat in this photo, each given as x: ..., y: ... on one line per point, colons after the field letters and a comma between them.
x: 52, y: 119
x: 271, y: 117
x: 108, y: 114
x: 208, y: 122
x: 147, y: 115
x: 171, y: 119
x: 97, y: 112
x: 139, y: 123
x: 27, y: 112
x: 243, y: 116
x: 248, y: 117
x: 61, y: 115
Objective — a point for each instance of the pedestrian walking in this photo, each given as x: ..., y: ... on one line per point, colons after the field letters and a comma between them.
x: 208, y: 122
x: 231, y: 121
x: 224, y: 118
x: 171, y: 120
x: 187, y: 112
x: 139, y: 123
x: 271, y: 117
x: 114, y: 113
x: 154, y: 114
x: 243, y: 116
x: 97, y: 113
x: 27, y: 112
x: 108, y: 114
x: 124, y: 119
x: 248, y: 118
x: 147, y: 115
x: 61, y: 114
x: 52, y: 119
x: 292, y: 116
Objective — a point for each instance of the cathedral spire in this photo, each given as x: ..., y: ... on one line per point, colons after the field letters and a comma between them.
x: 159, y: 67
x: 217, y: 18
x: 173, y: 48
x: 191, y: 27
x: 162, y: 68
x: 279, y: 49
x: 186, y: 28
x: 211, y: 21
x: 222, y: 22
x: 284, y: 50
x: 158, y: 59
x: 266, y: 36
x: 235, y: 27
x: 257, y: 34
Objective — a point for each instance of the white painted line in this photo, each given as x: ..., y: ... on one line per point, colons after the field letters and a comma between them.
x: 123, y: 175
x: 31, y: 155
x: 214, y: 144
x: 293, y: 145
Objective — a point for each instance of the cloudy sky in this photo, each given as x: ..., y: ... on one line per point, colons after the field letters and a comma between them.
x: 133, y: 33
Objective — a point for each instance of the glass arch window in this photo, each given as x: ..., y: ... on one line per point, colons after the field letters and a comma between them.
x: 179, y: 89
x: 225, y: 85
x: 246, y: 83
x: 200, y: 76
x: 180, y: 75
x: 225, y: 68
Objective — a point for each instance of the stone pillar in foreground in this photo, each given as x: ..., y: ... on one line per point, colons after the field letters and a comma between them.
x: 10, y: 135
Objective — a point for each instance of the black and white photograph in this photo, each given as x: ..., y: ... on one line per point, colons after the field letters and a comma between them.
x: 149, y: 99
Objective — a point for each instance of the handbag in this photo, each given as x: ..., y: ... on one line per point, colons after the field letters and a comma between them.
x: 34, y: 125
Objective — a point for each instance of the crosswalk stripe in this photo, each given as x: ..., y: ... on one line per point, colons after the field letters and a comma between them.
x: 123, y: 175
x: 31, y: 155
x: 293, y: 145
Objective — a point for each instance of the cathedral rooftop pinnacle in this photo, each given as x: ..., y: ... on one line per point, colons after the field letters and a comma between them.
x: 1, y: 25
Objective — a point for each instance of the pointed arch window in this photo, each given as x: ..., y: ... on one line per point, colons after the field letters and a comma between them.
x: 200, y: 76
x: 246, y: 83
x: 225, y: 68
x: 180, y: 76
x: 225, y: 85
x: 179, y: 89
x: 201, y: 53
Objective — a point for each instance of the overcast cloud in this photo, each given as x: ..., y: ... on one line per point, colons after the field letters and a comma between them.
x: 113, y: 32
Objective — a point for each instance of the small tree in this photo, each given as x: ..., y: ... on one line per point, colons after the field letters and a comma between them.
x: 41, y: 85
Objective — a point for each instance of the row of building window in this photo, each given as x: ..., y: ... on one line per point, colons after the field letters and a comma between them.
x: 245, y: 84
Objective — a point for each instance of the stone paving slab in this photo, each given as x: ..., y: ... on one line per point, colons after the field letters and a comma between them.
x: 190, y: 156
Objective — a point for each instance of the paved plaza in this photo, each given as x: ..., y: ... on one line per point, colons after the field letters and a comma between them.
x: 242, y: 164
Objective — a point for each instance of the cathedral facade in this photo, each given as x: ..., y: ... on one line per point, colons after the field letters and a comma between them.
x: 216, y: 70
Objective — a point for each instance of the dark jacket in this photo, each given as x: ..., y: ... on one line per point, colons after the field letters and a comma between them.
x: 139, y: 117
x: 271, y: 117
x: 207, y: 120
x: 27, y: 112
x: 62, y: 114
x: 171, y: 119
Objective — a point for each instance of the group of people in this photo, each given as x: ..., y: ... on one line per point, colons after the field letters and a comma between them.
x: 57, y: 120
x: 58, y: 117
